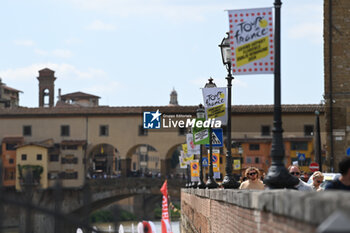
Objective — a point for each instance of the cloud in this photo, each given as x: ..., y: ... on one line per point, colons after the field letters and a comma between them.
x: 64, y: 71
x: 171, y: 10
x: 98, y: 25
x: 27, y: 43
x: 310, y: 31
x: 63, y: 53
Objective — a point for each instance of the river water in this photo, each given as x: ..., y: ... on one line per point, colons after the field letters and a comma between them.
x: 175, y: 226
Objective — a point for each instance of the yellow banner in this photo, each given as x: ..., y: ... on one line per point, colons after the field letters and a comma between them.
x: 184, y: 148
x: 252, y: 51
x: 216, y: 112
x: 236, y: 164
x: 188, y: 158
x: 195, y: 168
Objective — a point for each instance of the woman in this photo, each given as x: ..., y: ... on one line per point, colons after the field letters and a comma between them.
x: 253, y: 182
x: 317, y: 180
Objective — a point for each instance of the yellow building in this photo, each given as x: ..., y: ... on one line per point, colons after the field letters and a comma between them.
x: 34, y: 157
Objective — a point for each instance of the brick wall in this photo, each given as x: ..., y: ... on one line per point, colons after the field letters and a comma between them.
x: 228, y: 211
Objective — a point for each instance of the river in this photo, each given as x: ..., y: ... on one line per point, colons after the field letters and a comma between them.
x: 175, y: 226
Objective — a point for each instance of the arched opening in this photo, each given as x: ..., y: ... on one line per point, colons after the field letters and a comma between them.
x: 171, y: 164
x: 143, y: 160
x: 103, y: 161
x: 46, y: 96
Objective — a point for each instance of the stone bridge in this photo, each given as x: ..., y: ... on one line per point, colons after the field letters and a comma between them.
x: 98, y: 193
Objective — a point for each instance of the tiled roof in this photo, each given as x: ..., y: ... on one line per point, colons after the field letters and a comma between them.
x: 18, y: 139
x: 138, y: 110
x: 78, y: 95
x: 12, y: 89
x: 73, y: 142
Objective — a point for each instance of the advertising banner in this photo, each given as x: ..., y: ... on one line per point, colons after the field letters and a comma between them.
x: 236, y: 164
x: 192, y: 148
x: 215, y: 103
x: 251, y: 41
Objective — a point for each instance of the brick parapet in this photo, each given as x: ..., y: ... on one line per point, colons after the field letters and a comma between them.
x: 223, y: 211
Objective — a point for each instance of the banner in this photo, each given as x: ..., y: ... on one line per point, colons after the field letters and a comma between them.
x: 194, y: 171
x: 184, y: 148
x: 236, y: 164
x: 165, y: 211
x: 251, y: 41
x: 215, y: 103
x: 191, y: 147
x: 200, y: 135
x: 186, y: 158
x: 216, y: 161
x: 182, y: 162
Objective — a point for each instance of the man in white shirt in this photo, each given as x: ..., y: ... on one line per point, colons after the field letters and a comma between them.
x: 302, y: 186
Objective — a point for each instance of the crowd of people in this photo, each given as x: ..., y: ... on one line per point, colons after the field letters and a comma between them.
x: 253, y: 179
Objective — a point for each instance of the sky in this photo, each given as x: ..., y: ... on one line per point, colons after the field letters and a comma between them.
x: 134, y: 52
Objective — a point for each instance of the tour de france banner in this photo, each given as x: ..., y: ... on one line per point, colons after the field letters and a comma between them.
x: 192, y: 149
x: 194, y: 171
x: 251, y: 41
x: 187, y: 157
x: 215, y: 103
x: 236, y: 164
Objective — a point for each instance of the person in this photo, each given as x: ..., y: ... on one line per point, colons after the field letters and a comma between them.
x: 253, y: 182
x: 317, y: 180
x: 302, y: 186
x: 343, y: 182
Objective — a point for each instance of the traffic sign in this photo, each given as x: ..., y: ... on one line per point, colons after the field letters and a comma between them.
x: 216, y: 138
x: 314, y: 167
x: 301, y: 156
x: 205, y: 162
x: 348, y: 151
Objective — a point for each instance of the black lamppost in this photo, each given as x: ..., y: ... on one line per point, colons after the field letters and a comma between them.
x: 200, y: 115
x: 278, y: 176
x: 211, y: 184
x: 318, y: 152
x: 229, y: 181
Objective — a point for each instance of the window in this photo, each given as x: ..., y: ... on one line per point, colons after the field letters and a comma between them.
x: 11, y: 161
x: 39, y: 157
x: 27, y: 130
x: 103, y: 130
x: 10, y: 146
x: 254, y: 147
x: 142, y: 131
x: 182, y: 131
x: 24, y: 157
x: 64, y: 130
x: 69, y: 147
x: 248, y: 160
x: 54, y: 158
x: 265, y: 130
x: 308, y: 130
x: 257, y: 160
x: 298, y: 145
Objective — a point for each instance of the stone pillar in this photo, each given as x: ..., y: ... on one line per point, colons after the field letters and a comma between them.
x: 125, y: 166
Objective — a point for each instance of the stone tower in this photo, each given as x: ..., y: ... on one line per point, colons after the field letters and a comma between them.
x: 173, y: 98
x: 337, y: 79
x: 46, y: 87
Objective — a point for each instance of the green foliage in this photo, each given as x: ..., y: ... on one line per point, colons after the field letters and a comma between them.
x: 107, y: 216
x: 175, y: 212
x: 37, y: 170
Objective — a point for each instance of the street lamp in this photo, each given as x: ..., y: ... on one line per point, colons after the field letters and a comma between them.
x: 211, y: 184
x: 278, y: 176
x: 229, y: 181
x: 318, y: 152
x: 200, y: 115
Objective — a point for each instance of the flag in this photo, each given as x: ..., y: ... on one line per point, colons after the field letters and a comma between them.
x: 165, y: 211
x: 251, y: 41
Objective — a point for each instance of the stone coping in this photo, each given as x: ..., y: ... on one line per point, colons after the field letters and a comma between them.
x: 312, y: 207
